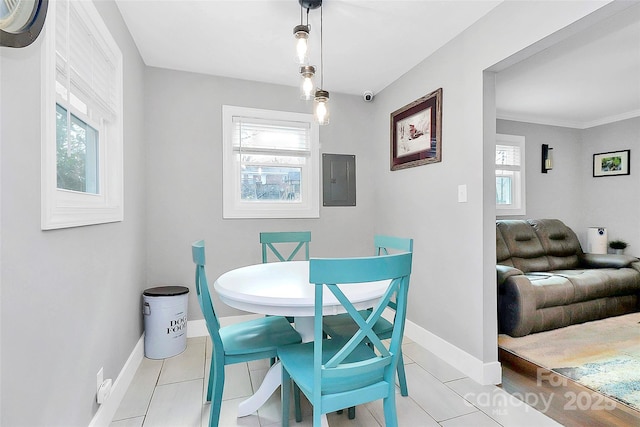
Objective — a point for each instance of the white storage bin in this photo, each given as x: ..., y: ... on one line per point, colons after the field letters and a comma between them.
x: 165, y: 321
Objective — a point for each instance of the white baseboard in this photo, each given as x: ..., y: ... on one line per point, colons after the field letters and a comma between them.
x: 107, y: 410
x: 474, y: 368
x: 195, y: 328
x: 483, y: 373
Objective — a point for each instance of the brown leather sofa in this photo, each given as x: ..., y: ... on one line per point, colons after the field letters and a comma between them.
x: 545, y: 281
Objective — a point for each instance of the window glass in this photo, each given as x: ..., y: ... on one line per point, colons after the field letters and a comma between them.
x: 76, y: 153
x: 503, y: 189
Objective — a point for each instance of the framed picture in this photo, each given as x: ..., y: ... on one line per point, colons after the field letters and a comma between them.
x: 416, y: 132
x: 612, y: 163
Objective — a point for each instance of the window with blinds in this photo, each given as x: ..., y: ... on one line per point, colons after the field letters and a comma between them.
x: 82, y: 147
x: 510, y: 177
x: 270, y: 167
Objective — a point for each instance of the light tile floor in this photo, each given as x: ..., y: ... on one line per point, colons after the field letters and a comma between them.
x: 172, y: 393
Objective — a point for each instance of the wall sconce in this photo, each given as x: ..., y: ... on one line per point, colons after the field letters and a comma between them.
x: 547, y: 158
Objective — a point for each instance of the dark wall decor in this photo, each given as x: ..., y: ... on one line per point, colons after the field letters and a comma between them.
x: 611, y: 163
x: 416, y: 132
x: 21, y: 22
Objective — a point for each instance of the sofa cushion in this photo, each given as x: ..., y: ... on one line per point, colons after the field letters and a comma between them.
x: 560, y: 243
x: 622, y: 281
x: 551, y: 290
x: 587, y: 284
x: 527, y: 253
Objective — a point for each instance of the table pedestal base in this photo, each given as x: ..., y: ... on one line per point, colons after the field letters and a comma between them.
x: 271, y: 382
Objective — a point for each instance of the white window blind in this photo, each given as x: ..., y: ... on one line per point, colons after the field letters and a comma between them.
x: 507, y: 156
x: 86, y: 68
x: 256, y: 135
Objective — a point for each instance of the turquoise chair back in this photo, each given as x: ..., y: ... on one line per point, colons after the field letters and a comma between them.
x: 340, y: 373
x: 384, y: 244
x: 204, y: 297
x: 325, y: 273
x: 269, y: 240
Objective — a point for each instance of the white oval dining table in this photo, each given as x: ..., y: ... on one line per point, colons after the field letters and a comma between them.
x: 283, y: 289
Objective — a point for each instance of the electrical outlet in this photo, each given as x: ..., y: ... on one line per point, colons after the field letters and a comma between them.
x: 99, y: 379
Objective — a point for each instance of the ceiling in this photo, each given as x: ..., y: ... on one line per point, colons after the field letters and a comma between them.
x: 589, y: 79
x: 369, y: 44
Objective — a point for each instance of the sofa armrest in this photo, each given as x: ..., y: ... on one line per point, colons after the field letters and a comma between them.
x: 606, y: 261
x: 516, y: 306
x: 504, y: 272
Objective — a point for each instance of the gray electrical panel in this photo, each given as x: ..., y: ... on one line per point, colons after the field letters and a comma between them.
x: 338, y: 180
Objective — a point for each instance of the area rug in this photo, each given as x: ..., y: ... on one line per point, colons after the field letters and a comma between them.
x: 603, y: 355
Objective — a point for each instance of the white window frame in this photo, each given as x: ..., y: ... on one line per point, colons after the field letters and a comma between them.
x: 233, y: 205
x: 64, y: 208
x: 519, y: 207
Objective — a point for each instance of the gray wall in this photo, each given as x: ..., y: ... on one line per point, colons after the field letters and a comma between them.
x: 183, y: 124
x: 614, y: 201
x: 70, y: 298
x: 558, y: 193
x: 569, y: 192
x: 453, y: 279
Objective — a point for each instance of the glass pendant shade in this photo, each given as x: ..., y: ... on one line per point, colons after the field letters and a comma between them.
x: 321, y: 107
x: 308, y: 88
x: 301, y: 33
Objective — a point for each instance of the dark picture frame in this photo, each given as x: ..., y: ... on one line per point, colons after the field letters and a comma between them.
x: 612, y: 163
x: 416, y: 132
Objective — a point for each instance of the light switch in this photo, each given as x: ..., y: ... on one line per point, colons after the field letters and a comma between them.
x: 462, y: 193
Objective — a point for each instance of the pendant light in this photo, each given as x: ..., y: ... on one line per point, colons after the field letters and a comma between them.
x: 301, y: 33
x: 321, y: 107
x: 307, y: 87
x: 321, y: 99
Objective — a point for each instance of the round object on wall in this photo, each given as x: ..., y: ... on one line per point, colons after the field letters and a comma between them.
x: 21, y: 21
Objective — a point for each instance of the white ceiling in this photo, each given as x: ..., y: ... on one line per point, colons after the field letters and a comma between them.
x: 591, y: 78
x: 367, y: 44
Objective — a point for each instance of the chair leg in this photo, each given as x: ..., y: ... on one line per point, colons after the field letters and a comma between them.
x: 351, y: 412
x: 284, y: 396
x: 296, y: 402
x: 210, y: 384
x: 216, y: 401
x: 402, y: 378
x: 389, y: 407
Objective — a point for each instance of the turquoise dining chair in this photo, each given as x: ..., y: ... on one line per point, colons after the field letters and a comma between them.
x: 242, y: 342
x: 337, y: 373
x: 342, y: 326
x: 275, y: 242
x: 269, y: 240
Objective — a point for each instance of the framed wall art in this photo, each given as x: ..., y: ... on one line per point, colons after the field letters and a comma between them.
x: 416, y: 132
x: 612, y: 163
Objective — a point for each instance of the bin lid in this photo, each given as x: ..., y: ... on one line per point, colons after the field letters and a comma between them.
x: 166, y: 291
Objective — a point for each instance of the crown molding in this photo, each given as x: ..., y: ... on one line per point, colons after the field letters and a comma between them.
x: 567, y: 123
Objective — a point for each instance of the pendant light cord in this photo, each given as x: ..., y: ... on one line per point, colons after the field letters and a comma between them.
x: 321, y: 53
